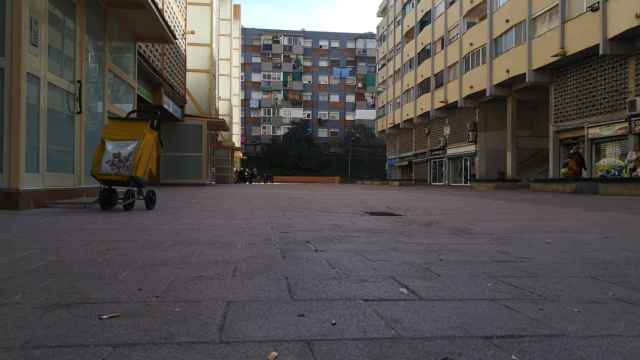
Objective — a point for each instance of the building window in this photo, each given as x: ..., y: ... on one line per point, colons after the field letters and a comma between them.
x: 351, y: 44
x: 62, y: 35
x: 323, y: 79
x: 32, y: 148
x: 425, y: 21
x: 334, y: 98
x: 408, y: 96
x: 334, y: 132
x: 351, y: 98
x: 577, y: 7
x: 306, y: 114
x: 323, y: 44
x: 335, y: 43
x: 438, y: 9
x: 308, y: 43
x: 408, y: 66
x: 438, y: 80
x: 450, y: 3
x: 60, y: 131
x: 308, y: 61
x: 323, y: 62
x: 307, y: 79
x: 323, y: 115
x: 121, y: 94
x: 307, y: 96
x: 452, y: 72
x: 424, y: 54
x: 475, y: 58
x: 350, y: 116
x: 267, y: 112
x: 256, y: 59
x: 514, y: 37
x: 454, y: 33
x: 497, y: 4
x: 439, y: 45
x: 424, y: 87
x: 323, y: 97
x: 334, y: 115
x: 545, y: 21
x: 323, y: 133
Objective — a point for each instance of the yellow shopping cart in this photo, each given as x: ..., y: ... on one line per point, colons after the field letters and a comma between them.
x: 127, y: 157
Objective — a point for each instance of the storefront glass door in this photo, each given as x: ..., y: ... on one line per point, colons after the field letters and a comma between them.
x: 4, y: 37
x: 94, y: 87
x: 438, y: 172
x: 461, y: 170
x: 60, y: 120
x: 609, y: 157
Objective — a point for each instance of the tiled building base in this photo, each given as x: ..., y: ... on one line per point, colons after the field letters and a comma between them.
x: 33, y: 199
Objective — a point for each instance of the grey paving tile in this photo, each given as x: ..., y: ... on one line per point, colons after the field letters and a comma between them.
x: 244, y: 351
x: 17, y: 323
x: 59, y: 353
x: 573, y: 288
x: 402, y: 349
x: 567, y: 348
x: 460, y: 287
x: 302, y: 320
x: 612, y: 318
x: 456, y: 318
x: 345, y: 289
x: 234, y: 289
x: 138, y: 323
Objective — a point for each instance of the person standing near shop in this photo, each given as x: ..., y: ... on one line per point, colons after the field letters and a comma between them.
x: 633, y: 161
x: 576, y: 163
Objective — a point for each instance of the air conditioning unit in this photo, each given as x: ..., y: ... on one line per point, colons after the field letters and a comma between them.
x: 633, y: 106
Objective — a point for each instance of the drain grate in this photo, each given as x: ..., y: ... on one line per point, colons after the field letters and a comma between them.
x: 381, y: 213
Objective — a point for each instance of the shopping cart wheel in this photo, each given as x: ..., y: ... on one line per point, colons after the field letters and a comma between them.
x: 129, y: 200
x: 150, y: 199
x: 108, y: 198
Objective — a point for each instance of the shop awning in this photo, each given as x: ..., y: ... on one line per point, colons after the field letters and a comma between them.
x: 144, y: 19
x: 213, y: 123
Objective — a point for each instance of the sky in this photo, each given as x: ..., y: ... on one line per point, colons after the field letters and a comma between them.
x: 313, y: 15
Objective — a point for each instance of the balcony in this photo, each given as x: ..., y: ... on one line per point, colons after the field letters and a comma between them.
x: 145, y: 19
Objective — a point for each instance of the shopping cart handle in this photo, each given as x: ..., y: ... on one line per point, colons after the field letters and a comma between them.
x: 154, y: 121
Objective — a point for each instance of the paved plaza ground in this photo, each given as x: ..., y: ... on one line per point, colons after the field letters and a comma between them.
x: 238, y: 272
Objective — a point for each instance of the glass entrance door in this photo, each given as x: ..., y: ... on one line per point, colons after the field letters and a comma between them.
x: 94, y: 84
x: 61, y: 87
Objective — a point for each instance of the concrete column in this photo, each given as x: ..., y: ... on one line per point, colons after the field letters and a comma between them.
x: 554, y: 167
x: 512, y: 146
x: 482, y: 150
x: 587, y: 153
x: 17, y: 86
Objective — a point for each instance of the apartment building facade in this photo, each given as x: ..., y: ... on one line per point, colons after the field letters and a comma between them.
x: 213, y: 83
x: 66, y: 67
x: 326, y: 81
x: 504, y: 89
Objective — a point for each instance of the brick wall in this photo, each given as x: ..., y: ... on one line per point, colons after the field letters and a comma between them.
x: 458, y: 120
x: 406, y: 141
x: 437, y: 131
x: 421, y: 138
x: 391, y: 144
x: 638, y: 75
x: 591, y: 87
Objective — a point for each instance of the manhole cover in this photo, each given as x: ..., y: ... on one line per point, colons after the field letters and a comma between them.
x: 381, y: 213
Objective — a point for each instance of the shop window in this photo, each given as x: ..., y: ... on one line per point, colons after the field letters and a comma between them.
x: 461, y: 170
x: 32, y: 148
x: 60, y: 131
x: 62, y: 33
x: 609, y: 157
x: 438, y: 172
x: 121, y: 94
x: 545, y: 21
